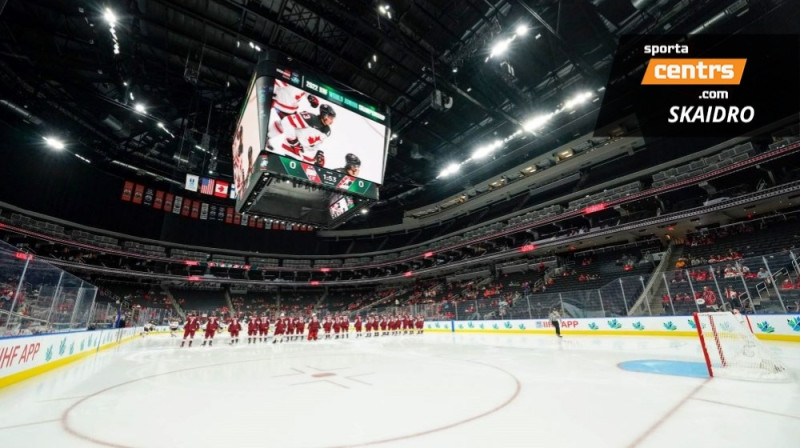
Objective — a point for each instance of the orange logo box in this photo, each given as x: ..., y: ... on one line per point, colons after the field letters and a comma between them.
x: 704, y: 71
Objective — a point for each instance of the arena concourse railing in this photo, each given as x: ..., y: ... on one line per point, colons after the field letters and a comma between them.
x: 36, y: 297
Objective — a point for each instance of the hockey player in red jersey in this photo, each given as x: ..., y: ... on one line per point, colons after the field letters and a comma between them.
x: 212, y: 324
x: 337, y: 326
x: 313, y: 328
x: 384, y: 324
x: 344, y: 325
x: 189, y: 328
x: 280, y: 329
x: 326, y: 326
x: 291, y: 323
x: 263, y: 328
x: 253, y: 326
x: 234, y: 327
x: 300, y: 327
x: 420, y: 324
x: 358, y: 324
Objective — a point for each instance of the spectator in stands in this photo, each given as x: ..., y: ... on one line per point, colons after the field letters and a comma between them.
x: 764, y: 275
x: 709, y: 296
x: 787, y: 284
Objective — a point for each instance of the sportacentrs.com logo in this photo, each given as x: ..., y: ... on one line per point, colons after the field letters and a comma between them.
x: 698, y: 71
x: 702, y: 85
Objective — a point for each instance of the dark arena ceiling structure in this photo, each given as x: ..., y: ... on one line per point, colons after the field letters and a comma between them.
x: 155, y: 86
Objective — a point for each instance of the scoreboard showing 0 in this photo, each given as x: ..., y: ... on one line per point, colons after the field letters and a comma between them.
x: 301, y: 148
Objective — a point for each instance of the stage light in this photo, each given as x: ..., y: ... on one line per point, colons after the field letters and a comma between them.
x: 55, y: 143
x: 110, y: 17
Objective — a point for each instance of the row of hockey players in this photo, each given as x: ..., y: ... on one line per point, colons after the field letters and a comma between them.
x: 293, y: 328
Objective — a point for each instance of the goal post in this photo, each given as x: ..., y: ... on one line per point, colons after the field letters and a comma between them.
x: 731, y: 350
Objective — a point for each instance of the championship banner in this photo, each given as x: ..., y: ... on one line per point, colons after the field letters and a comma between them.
x: 702, y: 85
x: 237, y: 219
x: 195, y: 209
x: 168, y: 199
x: 176, y: 208
x: 186, y: 208
x: 260, y: 223
x: 204, y: 211
x: 138, y: 194
x: 148, y: 197
x: 158, y: 202
x: 229, y: 215
x: 127, y: 191
x: 244, y: 220
x: 252, y: 221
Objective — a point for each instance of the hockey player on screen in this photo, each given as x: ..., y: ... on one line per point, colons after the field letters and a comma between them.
x: 263, y: 328
x: 286, y: 99
x: 352, y: 165
x: 313, y: 328
x: 253, y: 325
x: 301, y: 135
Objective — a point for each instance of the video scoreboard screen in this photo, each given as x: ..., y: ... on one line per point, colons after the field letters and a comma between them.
x: 295, y: 127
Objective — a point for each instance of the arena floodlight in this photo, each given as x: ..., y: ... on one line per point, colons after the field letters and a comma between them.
x: 110, y: 17
x: 499, y: 48
x: 139, y: 107
x: 521, y: 30
x: 537, y: 122
x: 55, y: 143
x: 578, y: 99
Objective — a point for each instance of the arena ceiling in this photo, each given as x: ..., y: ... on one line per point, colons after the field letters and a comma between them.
x: 188, y: 62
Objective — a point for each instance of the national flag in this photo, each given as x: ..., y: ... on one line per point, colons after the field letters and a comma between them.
x: 127, y: 191
x: 191, y: 182
x: 148, y: 197
x: 176, y: 207
x: 221, y: 189
x: 204, y: 211
x: 158, y: 202
x: 232, y: 193
x: 195, y: 209
x: 207, y: 186
x: 138, y: 194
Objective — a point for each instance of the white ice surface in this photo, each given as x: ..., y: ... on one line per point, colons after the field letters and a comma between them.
x: 408, y: 391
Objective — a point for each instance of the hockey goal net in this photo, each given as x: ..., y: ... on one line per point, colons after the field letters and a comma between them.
x: 731, y: 349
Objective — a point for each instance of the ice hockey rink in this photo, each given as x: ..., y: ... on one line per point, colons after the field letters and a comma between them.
x: 404, y: 391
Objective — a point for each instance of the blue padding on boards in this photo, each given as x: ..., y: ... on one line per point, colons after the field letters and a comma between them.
x: 677, y: 368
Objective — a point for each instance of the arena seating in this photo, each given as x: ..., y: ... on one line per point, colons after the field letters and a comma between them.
x: 605, y: 196
x: 713, y: 162
x: 181, y: 254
